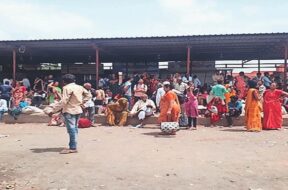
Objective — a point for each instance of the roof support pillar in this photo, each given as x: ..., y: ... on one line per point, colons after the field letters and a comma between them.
x: 97, y: 66
x: 14, y: 64
x: 259, y: 70
x: 188, y: 63
x: 285, y: 66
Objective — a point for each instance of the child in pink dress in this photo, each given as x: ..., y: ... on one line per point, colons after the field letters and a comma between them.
x: 191, y: 107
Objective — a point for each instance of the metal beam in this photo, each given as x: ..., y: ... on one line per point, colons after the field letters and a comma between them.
x: 188, y: 60
x: 97, y: 67
x: 14, y: 64
x: 285, y: 66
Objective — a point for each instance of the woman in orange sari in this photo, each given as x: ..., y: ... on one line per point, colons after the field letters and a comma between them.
x: 240, y: 85
x: 169, y: 105
x: 272, y: 108
x: 253, y: 109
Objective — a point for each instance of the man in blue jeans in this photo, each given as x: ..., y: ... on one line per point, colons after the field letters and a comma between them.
x: 73, y: 99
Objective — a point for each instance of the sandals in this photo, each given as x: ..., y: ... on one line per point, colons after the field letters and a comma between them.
x: 68, y: 151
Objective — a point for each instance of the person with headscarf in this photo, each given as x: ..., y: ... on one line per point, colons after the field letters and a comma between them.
x: 272, y: 108
x: 253, y: 108
x: 143, y: 108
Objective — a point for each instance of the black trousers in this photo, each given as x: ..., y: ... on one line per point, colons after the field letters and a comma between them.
x: 192, y: 120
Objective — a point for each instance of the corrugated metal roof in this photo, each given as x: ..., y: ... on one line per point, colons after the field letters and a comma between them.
x: 155, y: 37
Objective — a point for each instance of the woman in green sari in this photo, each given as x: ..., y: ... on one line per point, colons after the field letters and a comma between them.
x: 54, y: 92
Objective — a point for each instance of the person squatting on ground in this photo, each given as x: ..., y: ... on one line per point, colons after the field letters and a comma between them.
x: 143, y: 108
x: 215, y: 110
x: 73, y: 99
x: 117, y: 113
x: 234, y: 109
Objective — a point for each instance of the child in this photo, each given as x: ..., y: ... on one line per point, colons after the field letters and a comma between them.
x: 191, y: 107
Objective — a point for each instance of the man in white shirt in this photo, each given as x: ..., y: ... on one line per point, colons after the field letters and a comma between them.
x: 160, y: 93
x: 3, y: 108
x: 143, y: 108
x: 180, y: 85
x: 89, y: 105
x: 74, y: 98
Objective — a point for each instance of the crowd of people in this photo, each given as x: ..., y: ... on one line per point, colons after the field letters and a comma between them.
x: 178, y: 98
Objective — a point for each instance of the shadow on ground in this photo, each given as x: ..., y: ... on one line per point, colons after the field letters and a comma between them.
x: 158, y: 135
x: 44, y: 150
x: 234, y: 130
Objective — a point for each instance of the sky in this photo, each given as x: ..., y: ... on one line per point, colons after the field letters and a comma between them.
x: 62, y: 19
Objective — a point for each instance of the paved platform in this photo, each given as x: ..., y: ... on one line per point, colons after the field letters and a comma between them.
x: 101, y: 119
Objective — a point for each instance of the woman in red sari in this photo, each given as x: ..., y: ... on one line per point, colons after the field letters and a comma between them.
x: 272, y: 108
x: 216, y: 108
x: 240, y: 84
x: 18, y: 94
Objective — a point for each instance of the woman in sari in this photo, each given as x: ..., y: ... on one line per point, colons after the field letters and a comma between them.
x: 253, y: 109
x: 272, y: 107
x: 18, y: 94
x: 240, y: 84
x: 169, y: 105
x: 54, y: 92
x: 216, y: 108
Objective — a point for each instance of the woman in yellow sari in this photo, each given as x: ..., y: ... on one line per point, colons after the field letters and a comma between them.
x: 253, y: 109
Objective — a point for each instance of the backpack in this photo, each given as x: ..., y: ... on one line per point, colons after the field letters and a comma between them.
x: 182, y: 98
x: 84, y: 123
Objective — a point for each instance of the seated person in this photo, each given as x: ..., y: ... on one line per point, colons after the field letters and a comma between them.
x: 117, y: 113
x: 16, y: 111
x: 3, y: 108
x: 234, y: 109
x: 144, y: 107
x: 215, y: 110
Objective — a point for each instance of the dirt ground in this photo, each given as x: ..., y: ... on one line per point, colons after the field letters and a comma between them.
x: 140, y: 159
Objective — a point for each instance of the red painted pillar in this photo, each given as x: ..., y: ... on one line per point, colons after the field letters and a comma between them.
x: 188, y: 63
x: 285, y: 67
x: 97, y: 66
x: 14, y: 64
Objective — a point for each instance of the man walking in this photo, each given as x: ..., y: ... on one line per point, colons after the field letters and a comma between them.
x: 73, y: 100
